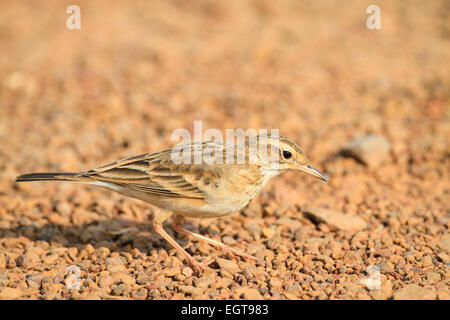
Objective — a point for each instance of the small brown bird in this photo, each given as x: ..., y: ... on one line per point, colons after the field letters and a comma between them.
x: 225, y: 182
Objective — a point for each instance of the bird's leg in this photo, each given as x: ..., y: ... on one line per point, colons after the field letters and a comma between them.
x: 177, y: 226
x: 158, y: 226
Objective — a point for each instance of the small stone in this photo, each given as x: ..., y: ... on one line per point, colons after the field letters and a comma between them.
x: 415, y: 292
x: 140, y: 294
x: 275, y: 283
x: 120, y: 290
x: 23, y: 261
x: 142, y: 279
x: 116, y: 264
x: 34, y: 254
x: 385, y: 292
x: 228, y: 240
x: 4, y: 278
x: 123, y: 278
x: 89, y: 248
x: 223, y: 282
x: 55, y: 218
x: 205, y: 280
x: 444, y: 294
x: 336, y: 249
x: 371, y: 150
x: 64, y: 207
x: 193, y: 291
x: 385, y: 268
x: 291, y: 296
x: 72, y: 252
x: 352, y: 259
x: 170, y: 272
x: 2, y: 260
x: 103, y: 252
x: 228, y: 265
x: 324, y: 259
x: 226, y: 274
x: 444, y: 257
x: 249, y: 294
x: 433, y: 277
x: 50, y: 259
x: 444, y: 243
x: 336, y: 220
x: 323, y: 227
x: 10, y: 293
x: 105, y: 281
x: 427, y: 262
x: 135, y: 253
x: 290, y: 223
x: 187, y: 271
x: 268, y: 232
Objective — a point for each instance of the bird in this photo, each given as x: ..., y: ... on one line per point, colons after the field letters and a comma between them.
x: 227, y: 177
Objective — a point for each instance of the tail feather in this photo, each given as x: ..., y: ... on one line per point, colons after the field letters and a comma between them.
x: 54, y: 176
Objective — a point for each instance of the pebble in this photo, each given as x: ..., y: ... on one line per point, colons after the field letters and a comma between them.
x: 291, y: 296
x: 336, y: 220
x: 2, y: 260
x: 117, y: 264
x: 10, y: 293
x: 170, y: 272
x: 123, y: 277
x: 23, y: 261
x: 433, y: 277
x: 103, y: 252
x: 187, y: 271
x: 34, y: 254
x: 193, y: 291
x: 445, y: 258
x: 105, y: 282
x: 73, y: 252
x: 228, y: 265
x: 427, y: 262
x: 143, y: 279
x: 371, y: 150
x: 444, y: 243
x: 415, y: 292
x: 275, y: 283
x: 249, y: 294
x: 336, y: 249
x: 205, y: 280
x: 268, y: 232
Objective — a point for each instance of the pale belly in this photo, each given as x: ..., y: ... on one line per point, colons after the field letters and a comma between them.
x: 196, y: 208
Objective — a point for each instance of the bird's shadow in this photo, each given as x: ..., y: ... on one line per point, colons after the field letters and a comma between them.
x: 116, y: 234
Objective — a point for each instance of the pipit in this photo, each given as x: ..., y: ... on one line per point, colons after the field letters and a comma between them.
x: 226, y: 179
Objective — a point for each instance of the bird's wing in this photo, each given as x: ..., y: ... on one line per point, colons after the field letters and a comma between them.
x: 156, y: 173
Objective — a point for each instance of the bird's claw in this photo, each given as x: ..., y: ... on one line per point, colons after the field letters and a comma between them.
x: 232, y: 253
x: 198, y: 266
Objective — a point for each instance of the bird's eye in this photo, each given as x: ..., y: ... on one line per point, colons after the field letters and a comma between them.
x: 287, y: 154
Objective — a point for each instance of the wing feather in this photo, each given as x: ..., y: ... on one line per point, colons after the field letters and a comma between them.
x: 154, y: 173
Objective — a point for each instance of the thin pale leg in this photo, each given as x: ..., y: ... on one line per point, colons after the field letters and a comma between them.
x: 158, y: 226
x: 177, y: 226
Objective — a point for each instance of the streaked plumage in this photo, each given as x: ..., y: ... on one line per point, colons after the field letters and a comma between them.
x: 201, y: 190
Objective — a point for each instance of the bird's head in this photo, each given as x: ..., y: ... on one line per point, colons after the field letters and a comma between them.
x: 283, y: 155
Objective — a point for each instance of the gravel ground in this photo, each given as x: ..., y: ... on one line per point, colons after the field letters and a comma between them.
x: 370, y: 108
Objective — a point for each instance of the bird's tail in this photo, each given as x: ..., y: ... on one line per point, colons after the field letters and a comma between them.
x: 55, y: 176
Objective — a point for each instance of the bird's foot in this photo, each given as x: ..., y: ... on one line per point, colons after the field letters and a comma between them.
x: 232, y: 253
x: 198, y: 266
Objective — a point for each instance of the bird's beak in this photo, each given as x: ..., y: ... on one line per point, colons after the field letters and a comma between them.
x: 311, y: 170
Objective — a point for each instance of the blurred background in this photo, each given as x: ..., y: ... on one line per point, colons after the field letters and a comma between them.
x: 135, y: 71
x: 119, y: 86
